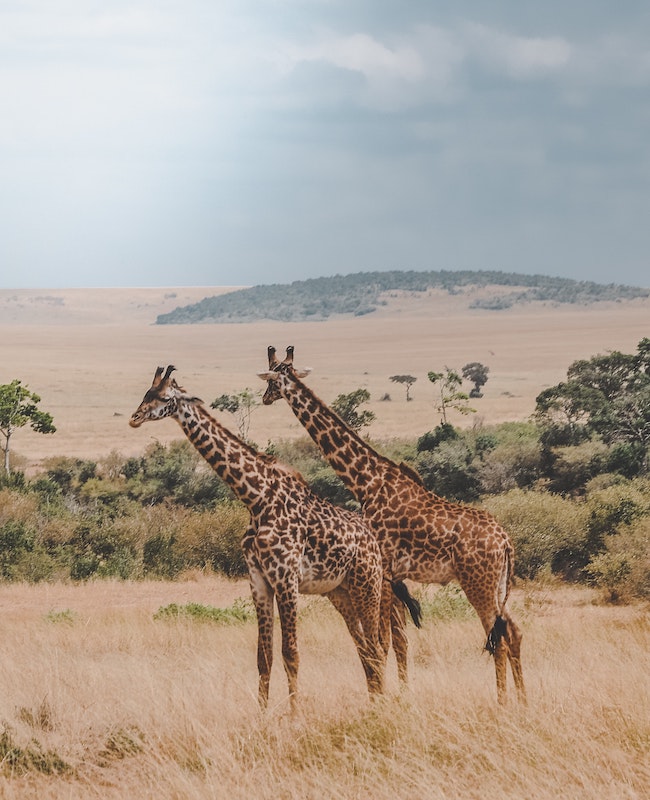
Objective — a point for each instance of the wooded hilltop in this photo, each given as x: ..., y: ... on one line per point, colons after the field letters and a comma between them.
x: 363, y: 292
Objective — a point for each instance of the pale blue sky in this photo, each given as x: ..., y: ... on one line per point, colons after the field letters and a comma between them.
x: 162, y: 143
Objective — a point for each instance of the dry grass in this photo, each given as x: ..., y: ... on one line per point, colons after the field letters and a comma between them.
x: 101, y: 700
x: 91, y: 354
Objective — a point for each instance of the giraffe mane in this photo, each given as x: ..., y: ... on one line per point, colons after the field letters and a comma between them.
x: 281, y: 466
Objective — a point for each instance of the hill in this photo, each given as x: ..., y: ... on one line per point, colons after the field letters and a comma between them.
x: 364, y: 292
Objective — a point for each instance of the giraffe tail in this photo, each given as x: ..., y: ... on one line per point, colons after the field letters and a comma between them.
x: 495, y: 635
x: 500, y: 627
x: 402, y: 593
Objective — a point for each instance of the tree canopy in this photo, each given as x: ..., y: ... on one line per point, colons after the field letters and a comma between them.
x: 347, y: 407
x: 407, y: 380
x: 477, y: 373
x: 241, y: 405
x: 18, y: 407
x: 607, y: 395
x: 449, y: 394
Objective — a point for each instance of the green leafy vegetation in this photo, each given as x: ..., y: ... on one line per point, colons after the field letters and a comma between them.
x: 19, y: 407
x: 17, y: 759
x: 446, y: 604
x: 363, y: 292
x: 347, y: 407
x: 571, y: 486
x: 239, y: 611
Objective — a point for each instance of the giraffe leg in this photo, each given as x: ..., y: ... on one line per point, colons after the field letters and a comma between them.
x: 263, y: 600
x: 287, y: 600
x: 365, y: 586
x: 513, y: 638
x: 399, y: 637
x: 500, y: 664
x: 370, y: 655
x: 482, y: 597
x: 385, y: 614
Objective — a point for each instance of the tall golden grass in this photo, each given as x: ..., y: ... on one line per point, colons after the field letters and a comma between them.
x: 100, y: 700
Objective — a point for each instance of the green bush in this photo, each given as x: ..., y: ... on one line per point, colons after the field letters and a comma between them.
x: 448, y: 471
x: 15, y: 541
x: 573, y: 467
x: 161, y: 556
x: 548, y: 531
x: 622, y: 570
x: 240, y: 611
x: 618, y: 504
x: 447, y: 603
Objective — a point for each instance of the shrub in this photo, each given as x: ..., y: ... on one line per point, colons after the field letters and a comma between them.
x: 447, y: 603
x: 15, y: 541
x: 448, y: 471
x: 509, y: 465
x: 161, y: 557
x: 573, y: 467
x: 240, y: 611
x: 622, y: 570
x: 432, y: 439
x: 326, y: 484
x: 619, y: 504
x: 548, y: 531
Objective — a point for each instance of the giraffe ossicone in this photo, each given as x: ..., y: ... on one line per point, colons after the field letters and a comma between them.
x: 421, y: 535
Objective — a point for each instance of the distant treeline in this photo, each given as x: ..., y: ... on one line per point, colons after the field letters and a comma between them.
x: 361, y: 293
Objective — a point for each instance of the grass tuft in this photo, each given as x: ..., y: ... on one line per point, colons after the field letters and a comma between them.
x: 240, y: 611
x: 18, y: 760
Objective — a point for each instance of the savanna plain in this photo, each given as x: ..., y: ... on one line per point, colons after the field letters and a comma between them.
x: 102, y: 695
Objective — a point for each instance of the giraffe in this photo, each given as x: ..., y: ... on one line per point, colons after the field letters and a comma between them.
x: 422, y: 536
x: 296, y: 542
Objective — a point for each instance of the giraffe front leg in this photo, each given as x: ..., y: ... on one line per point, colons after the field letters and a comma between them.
x: 287, y: 600
x: 263, y: 600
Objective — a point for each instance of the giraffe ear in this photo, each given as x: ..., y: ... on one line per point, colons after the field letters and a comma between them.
x: 302, y: 373
x: 268, y: 375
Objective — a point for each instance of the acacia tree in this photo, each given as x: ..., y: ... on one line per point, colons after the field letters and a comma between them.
x: 608, y: 395
x: 450, y: 396
x: 476, y: 373
x: 407, y: 380
x: 241, y: 405
x: 18, y: 407
x: 347, y: 407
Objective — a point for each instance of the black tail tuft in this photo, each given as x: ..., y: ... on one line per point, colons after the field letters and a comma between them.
x: 496, y: 634
x: 402, y: 593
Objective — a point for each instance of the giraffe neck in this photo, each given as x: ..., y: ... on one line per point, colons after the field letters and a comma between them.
x: 359, y: 466
x: 246, y: 472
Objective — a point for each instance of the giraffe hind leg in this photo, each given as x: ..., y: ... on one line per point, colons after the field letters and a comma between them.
x: 340, y: 599
x: 399, y: 638
x: 504, y: 643
x: 513, y: 638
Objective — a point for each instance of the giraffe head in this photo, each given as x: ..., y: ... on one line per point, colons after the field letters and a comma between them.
x: 161, y: 400
x: 278, y: 374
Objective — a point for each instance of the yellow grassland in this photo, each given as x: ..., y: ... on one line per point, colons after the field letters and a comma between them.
x: 121, y: 705
x: 100, y: 700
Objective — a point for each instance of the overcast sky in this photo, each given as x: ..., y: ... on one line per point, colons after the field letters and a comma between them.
x: 217, y: 142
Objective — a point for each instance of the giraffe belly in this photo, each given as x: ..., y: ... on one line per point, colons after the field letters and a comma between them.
x: 439, y: 571
x: 317, y: 577
x: 318, y: 585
